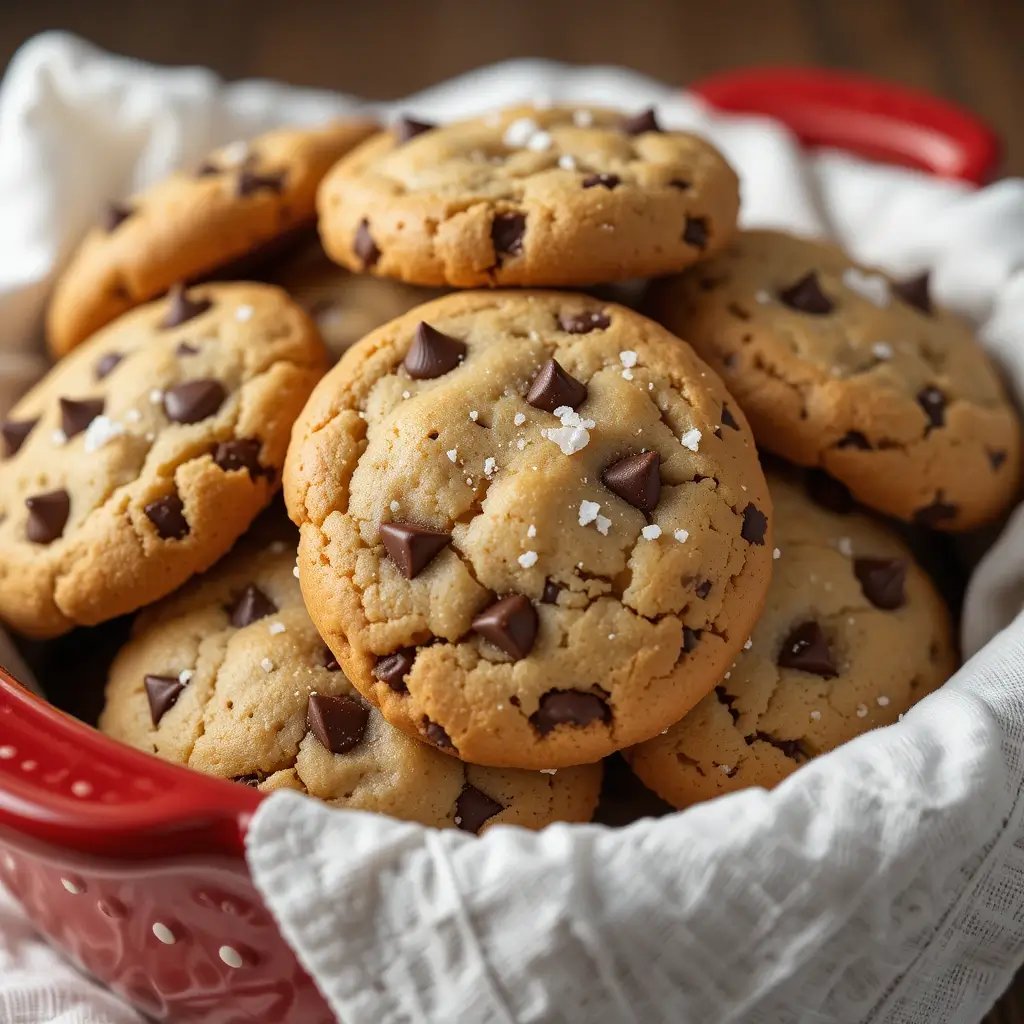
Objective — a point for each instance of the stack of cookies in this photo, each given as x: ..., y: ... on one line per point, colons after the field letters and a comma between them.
x: 535, y: 527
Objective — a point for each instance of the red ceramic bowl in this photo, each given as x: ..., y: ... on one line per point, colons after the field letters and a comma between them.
x: 135, y: 868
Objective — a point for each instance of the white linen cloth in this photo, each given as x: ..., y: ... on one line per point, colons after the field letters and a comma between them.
x: 881, y: 883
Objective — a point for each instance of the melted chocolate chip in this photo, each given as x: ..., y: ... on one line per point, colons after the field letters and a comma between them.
x: 936, y: 514
x: 15, y: 433
x: 882, y: 581
x: 194, y: 400
x: 76, y: 416
x: 755, y: 522
x: 510, y: 624
x: 181, y: 308
x: 364, y: 245
x: 163, y: 693
x: 47, y: 516
x: 437, y: 735
x: 115, y: 215
x: 583, y: 323
x: 828, y: 492
x: 105, y: 364
x: 933, y: 401
x: 473, y: 808
x: 806, y: 296
x: 696, y: 232
x: 636, y: 479
x: 806, y: 648
x: 551, y: 592
x: 406, y: 128
x: 637, y: 124
x: 728, y: 420
x: 507, y: 231
x: 916, y: 292
x: 608, y: 181
x: 569, y: 707
x: 432, y: 354
x: 242, y: 453
x: 690, y: 638
x: 250, y: 606
x: 412, y: 547
x: 338, y: 722
x: 554, y: 387
x: 393, y: 668
x: 249, y: 182
x: 167, y: 514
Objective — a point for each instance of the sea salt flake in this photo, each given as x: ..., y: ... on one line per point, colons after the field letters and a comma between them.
x: 628, y: 358
x: 845, y: 546
x: 574, y: 433
x: 528, y: 559
x: 872, y: 287
x: 185, y: 675
x: 521, y: 443
x: 588, y: 511
x: 244, y: 314
x: 862, y: 711
x: 603, y: 525
x: 567, y: 162
x: 519, y: 419
x: 394, y: 506
x: 652, y: 532
x: 882, y: 350
x: 267, y: 665
x: 682, y: 536
x: 490, y: 467
x: 276, y: 628
x: 628, y: 375
x: 406, y: 394
x: 474, y: 415
x: 539, y: 142
x: 776, y: 553
x: 532, y: 531
x: 520, y: 131
x: 815, y: 716
x: 100, y: 431
x: 453, y: 454
x: 725, y: 768
x: 883, y: 702
x: 582, y: 118
x: 691, y: 439
x: 748, y: 644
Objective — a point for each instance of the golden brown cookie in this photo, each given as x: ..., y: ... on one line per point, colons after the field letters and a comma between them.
x: 534, y: 528
x: 561, y: 196
x: 230, y: 677
x: 853, y: 634
x: 141, y: 457
x: 838, y: 366
x: 244, y: 204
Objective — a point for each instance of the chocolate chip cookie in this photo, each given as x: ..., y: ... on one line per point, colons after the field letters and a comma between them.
x: 561, y: 196
x: 230, y: 677
x: 852, y: 635
x: 145, y: 454
x: 243, y: 205
x: 533, y: 525
x: 841, y: 367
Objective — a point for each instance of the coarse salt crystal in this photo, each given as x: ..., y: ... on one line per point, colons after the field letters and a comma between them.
x: 628, y: 358
x: 872, y: 287
x: 521, y: 443
x: 725, y: 768
x: 100, y: 431
x: 628, y: 375
x: 883, y: 702
x: 567, y: 162
x: 845, y: 546
x: 748, y: 644
x: 815, y: 716
x: 776, y: 553
x: 453, y: 454
x: 862, y: 710
x: 574, y: 433
x: 185, y: 675
x: 394, y: 506
x: 691, y: 439
x: 406, y: 394
x: 267, y: 665
x: 682, y: 536
x: 474, y: 415
x: 588, y: 511
x: 539, y: 142
x: 652, y: 532
x: 276, y: 628
x: 528, y: 559
x: 520, y: 131
x: 490, y: 467
x: 244, y: 314
x: 531, y: 531
x: 603, y: 524
x: 882, y: 350
x: 519, y: 419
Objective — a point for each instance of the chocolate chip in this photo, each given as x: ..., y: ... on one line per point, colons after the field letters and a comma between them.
x: 608, y: 181
x: 437, y: 735
x: 393, y: 668
x: 15, y: 433
x: 507, y: 231
x: 916, y: 292
x: 933, y: 401
x: 338, y: 722
x: 510, y: 624
x: 935, y: 514
x: 242, y: 453
x: 703, y: 589
x: 569, y: 707
x: 76, y: 416
x: 181, y: 308
x: 364, y: 245
x: 553, y: 388
x: 412, y: 547
x: 406, y: 128
x: 185, y: 349
x: 728, y: 420
x: 882, y: 581
x: 163, y: 693
x: 194, y: 400
x: 329, y: 659
x: 249, y: 181
x: 696, y: 232
x: 551, y: 592
x: 854, y: 439
x: 47, y: 516
x: 690, y: 638
x: 806, y: 649
x: 996, y: 457
x: 432, y: 354
x: 115, y: 215
x: 806, y: 296
x: 105, y: 364
x: 473, y: 808
x: 167, y: 514
x: 637, y: 124
x: 728, y: 699
x: 828, y: 492
x: 250, y: 606
x: 636, y: 479
x: 755, y: 522
x: 583, y: 323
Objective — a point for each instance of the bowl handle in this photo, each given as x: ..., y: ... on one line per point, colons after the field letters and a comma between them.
x: 865, y: 116
x: 68, y: 785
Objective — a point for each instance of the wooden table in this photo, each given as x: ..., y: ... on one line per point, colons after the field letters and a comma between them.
x: 969, y: 51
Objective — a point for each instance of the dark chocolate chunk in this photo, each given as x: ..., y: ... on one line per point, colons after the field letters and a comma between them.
x: 510, y: 624
x: 636, y: 479
x: 507, y: 231
x: 583, y: 323
x: 405, y: 128
x: 551, y: 592
x: 608, y: 181
x: 47, y: 516
x: 250, y: 606
x: 167, y: 514
x: 115, y: 215
x: 637, y: 124
x: 194, y: 400
x: 412, y: 547
x: 806, y: 296
x: 916, y: 292
x: 882, y: 580
x: 338, y: 722
x: 806, y: 648
x: 181, y: 308
x: 437, y: 735
x: 76, y: 416
x: 163, y: 693
x: 432, y: 354
x: 15, y: 433
x: 696, y: 232
x: 933, y: 401
x: 105, y: 364
x: 755, y: 522
x: 393, y: 668
x: 473, y: 808
x: 553, y: 388
x: 364, y: 245
x: 242, y: 453
x: 569, y: 707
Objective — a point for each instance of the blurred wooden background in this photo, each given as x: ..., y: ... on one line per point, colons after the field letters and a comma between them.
x: 970, y: 51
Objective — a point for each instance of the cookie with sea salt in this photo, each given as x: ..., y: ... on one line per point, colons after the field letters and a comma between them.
x: 141, y: 457
x: 534, y: 529
x: 853, y: 634
x: 560, y: 196
x: 244, y: 205
x: 229, y: 676
x: 841, y: 367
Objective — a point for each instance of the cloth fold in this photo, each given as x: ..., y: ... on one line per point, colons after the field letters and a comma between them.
x: 881, y: 883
